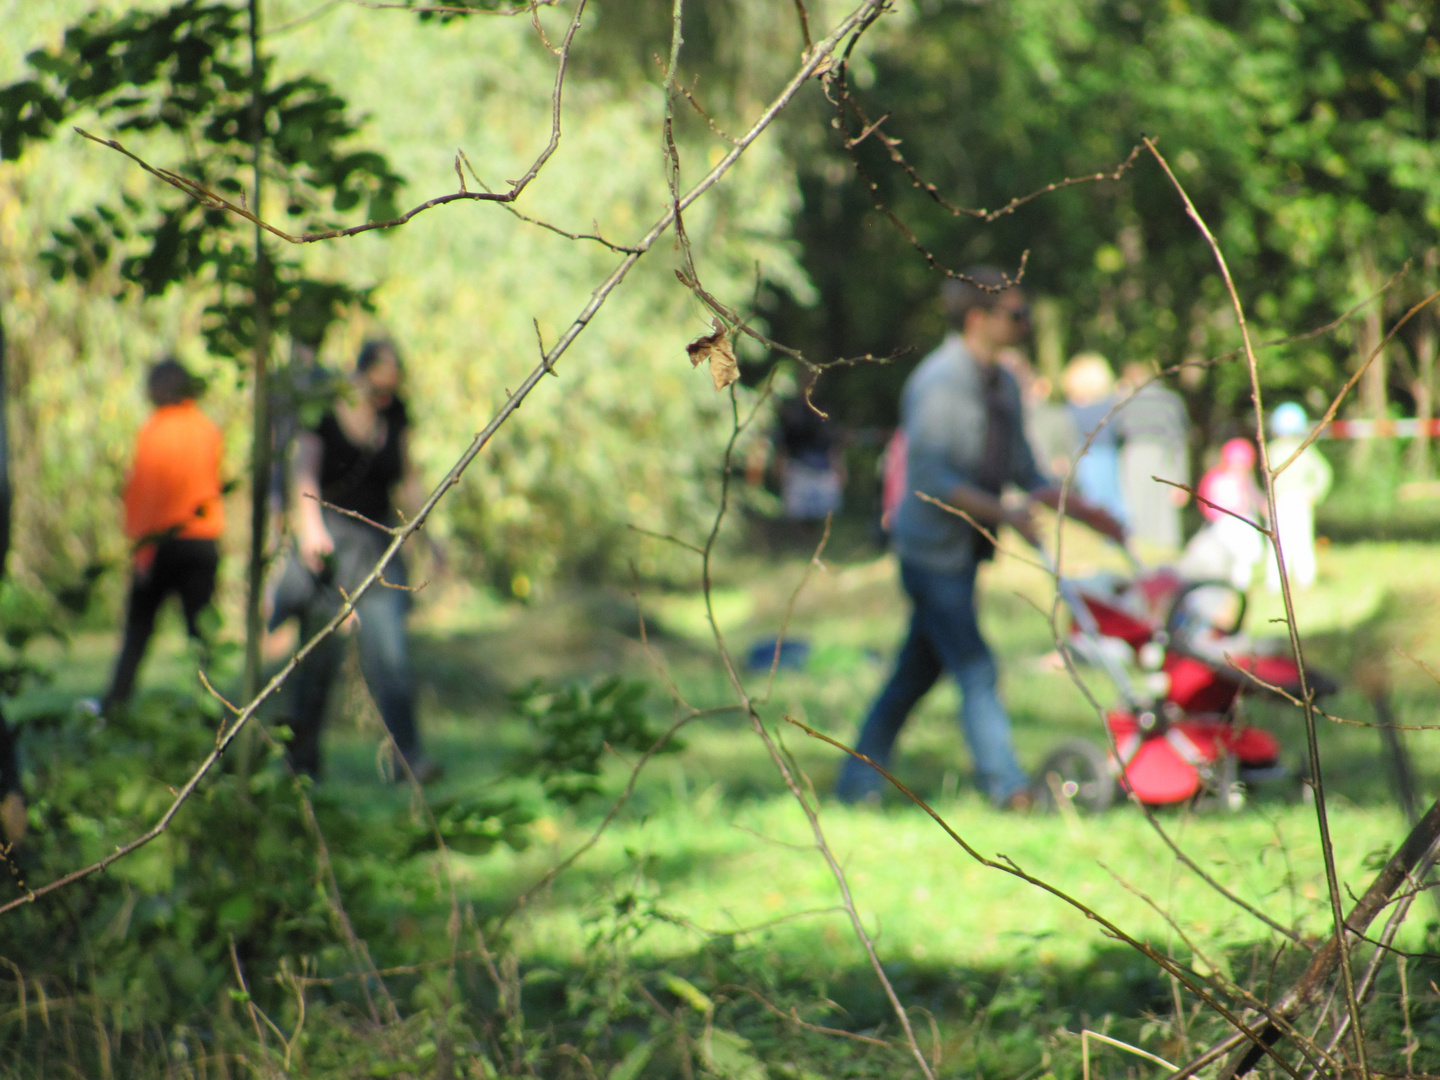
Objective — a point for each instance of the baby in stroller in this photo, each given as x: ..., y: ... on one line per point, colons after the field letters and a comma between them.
x: 1177, y: 730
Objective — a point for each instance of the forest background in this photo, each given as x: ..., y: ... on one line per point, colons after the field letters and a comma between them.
x: 1303, y: 131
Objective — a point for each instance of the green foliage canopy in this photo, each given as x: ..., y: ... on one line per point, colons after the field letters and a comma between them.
x: 629, y: 434
x: 1304, y: 131
x: 185, y: 71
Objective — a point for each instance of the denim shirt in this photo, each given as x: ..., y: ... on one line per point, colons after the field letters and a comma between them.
x: 942, y: 411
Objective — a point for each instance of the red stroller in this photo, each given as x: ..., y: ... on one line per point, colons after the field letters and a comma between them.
x: 1177, y: 732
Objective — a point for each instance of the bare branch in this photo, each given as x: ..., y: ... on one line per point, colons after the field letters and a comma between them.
x: 215, y: 201
x: 810, y: 566
x: 1418, y: 848
x: 792, y: 1017
x: 440, y: 9
x: 1350, y: 383
x: 1007, y: 866
x: 513, y: 401
x: 785, y: 767
x: 1321, y: 815
x: 695, y: 548
x: 301, y: 20
x: 599, y: 831
x: 804, y: 23
x: 694, y: 104
x: 1194, y: 493
x: 837, y: 88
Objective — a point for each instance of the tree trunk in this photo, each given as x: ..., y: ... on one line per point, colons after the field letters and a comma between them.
x: 260, y: 435
x: 1374, y: 396
x: 1426, y: 344
x: 9, y: 766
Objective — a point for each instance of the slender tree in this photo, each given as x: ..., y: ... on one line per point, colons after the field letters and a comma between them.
x: 196, y: 72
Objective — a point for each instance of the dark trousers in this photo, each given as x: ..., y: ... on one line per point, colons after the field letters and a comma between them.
x: 9, y: 762
x: 181, y: 566
x: 384, y: 652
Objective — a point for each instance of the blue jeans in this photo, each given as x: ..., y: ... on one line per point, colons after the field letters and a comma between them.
x: 384, y: 653
x: 944, y: 636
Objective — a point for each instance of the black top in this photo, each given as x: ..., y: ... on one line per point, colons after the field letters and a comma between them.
x: 803, y: 434
x: 360, y: 478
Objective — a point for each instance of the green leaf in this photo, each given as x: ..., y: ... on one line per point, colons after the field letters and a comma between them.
x: 727, y: 1054
x: 235, y: 913
x: 630, y: 1066
x: 689, y: 993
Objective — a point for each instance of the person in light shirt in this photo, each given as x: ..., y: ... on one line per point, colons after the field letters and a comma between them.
x: 965, y: 447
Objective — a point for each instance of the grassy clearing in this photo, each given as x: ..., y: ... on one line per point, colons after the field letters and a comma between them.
x: 709, y: 873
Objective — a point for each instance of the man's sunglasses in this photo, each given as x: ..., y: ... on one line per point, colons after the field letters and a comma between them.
x: 1019, y: 314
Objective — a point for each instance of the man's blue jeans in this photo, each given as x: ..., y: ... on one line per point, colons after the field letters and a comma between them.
x: 944, y: 637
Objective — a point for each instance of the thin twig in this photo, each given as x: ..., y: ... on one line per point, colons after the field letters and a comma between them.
x: 793, y: 1018
x: 442, y: 9
x: 651, y: 653
x: 804, y: 17
x: 211, y: 199
x: 836, y: 84
x: 1127, y: 1047
x: 1350, y: 384
x: 1008, y: 866
x: 599, y: 830
x: 779, y: 759
x: 790, y: 606
x: 1321, y: 816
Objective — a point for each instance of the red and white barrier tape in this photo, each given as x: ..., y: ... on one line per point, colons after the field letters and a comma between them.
x: 1380, y: 429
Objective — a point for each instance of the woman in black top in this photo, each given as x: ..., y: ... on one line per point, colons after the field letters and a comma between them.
x: 345, y: 470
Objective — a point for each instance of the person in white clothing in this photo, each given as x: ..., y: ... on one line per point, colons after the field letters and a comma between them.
x: 1230, y: 544
x: 1297, y: 491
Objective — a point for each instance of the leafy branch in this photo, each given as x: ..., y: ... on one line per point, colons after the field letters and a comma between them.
x: 806, y: 70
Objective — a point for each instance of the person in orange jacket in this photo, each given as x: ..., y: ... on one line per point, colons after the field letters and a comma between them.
x: 173, y: 517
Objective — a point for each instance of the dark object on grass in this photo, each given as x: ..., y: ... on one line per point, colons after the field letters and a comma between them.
x: 794, y: 654
x: 1373, y: 679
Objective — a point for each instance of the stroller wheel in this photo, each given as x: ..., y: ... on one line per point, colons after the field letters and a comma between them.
x: 1076, y: 772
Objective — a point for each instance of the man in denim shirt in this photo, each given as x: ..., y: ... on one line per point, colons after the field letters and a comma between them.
x: 960, y: 411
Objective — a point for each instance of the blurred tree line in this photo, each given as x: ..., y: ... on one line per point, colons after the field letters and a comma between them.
x: 629, y: 435
x: 1303, y: 129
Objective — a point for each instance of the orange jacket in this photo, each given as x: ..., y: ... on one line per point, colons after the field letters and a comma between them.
x: 174, y: 486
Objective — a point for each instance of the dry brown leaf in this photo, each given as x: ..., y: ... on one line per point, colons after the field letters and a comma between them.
x: 716, y: 349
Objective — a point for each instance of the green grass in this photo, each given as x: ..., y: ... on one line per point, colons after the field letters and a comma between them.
x: 710, y: 872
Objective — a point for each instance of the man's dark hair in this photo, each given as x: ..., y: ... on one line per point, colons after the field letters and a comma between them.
x: 982, y: 291
x: 372, y: 351
x: 170, y: 383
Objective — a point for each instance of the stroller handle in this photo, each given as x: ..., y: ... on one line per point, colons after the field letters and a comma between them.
x: 1087, y: 624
